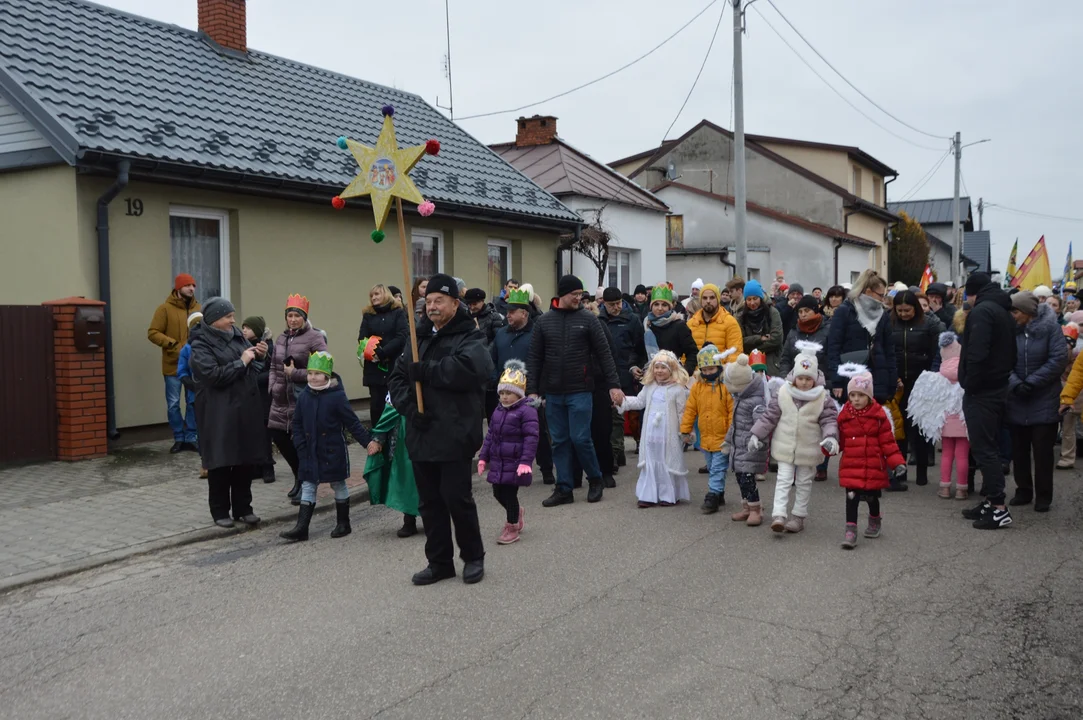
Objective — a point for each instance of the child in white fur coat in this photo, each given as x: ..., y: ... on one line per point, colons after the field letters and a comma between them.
x: 662, y: 476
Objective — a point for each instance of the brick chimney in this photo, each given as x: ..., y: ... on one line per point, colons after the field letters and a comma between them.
x: 224, y: 22
x: 537, y: 130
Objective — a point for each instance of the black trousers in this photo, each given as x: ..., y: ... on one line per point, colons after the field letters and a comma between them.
x: 377, y: 402
x: 508, y: 497
x: 913, y: 436
x: 984, y: 413
x: 284, y: 442
x: 230, y: 487
x: 545, y: 444
x: 1039, y: 438
x: 492, y: 399
x: 853, y: 504
x: 601, y: 431
x: 445, y: 497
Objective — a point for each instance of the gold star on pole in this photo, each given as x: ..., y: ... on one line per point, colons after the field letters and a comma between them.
x: 384, y: 172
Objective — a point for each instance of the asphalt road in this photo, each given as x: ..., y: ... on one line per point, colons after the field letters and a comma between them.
x: 601, y: 611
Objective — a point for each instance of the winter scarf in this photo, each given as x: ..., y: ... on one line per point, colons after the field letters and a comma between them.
x: 648, y: 336
x: 756, y: 322
x: 869, y: 312
x: 811, y: 325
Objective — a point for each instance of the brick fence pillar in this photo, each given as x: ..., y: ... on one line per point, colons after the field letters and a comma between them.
x: 80, y: 386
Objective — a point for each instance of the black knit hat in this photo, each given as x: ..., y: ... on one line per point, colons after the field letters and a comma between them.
x: 808, y: 301
x: 569, y: 284
x: 974, y: 284
x: 474, y: 295
x: 215, y: 309
x: 640, y: 289
x: 445, y: 284
x: 612, y: 294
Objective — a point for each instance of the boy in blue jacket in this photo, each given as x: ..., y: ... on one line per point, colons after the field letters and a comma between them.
x: 184, y: 374
x: 320, y: 421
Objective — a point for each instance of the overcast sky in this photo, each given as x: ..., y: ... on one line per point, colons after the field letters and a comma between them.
x: 998, y: 69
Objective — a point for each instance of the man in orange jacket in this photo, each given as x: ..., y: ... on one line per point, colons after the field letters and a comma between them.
x: 169, y: 331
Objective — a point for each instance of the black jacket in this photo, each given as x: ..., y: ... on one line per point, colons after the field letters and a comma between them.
x: 788, y: 315
x: 455, y: 366
x: 946, y: 315
x: 232, y: 421
x: 489, y: 321
x: 677, y: 338
x: 509, y: 344
x: 846, y: 334
x: 564, y: 343
x: 629, y: 351
x: 789, y: 350
x: 989, y: 352
x: 917, y: 347
x: 390, y: 324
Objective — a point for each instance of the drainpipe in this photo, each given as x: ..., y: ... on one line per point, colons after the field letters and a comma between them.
x: 838, y: 244
x: 724, y: 257
x: 104, y: 294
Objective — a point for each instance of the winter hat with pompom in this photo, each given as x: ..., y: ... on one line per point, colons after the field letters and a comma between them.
x: 949, y: 345
x: 737, y: 375
x: 514, y: 378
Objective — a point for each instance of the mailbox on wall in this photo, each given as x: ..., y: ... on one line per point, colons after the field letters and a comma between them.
x: 89, y: 326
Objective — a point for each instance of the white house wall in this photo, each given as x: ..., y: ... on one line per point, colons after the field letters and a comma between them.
x: 636, y: 229
x: 805, y: 256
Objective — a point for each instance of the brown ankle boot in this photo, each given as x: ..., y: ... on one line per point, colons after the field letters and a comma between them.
x: 742, y: 514
x: 755, y: 516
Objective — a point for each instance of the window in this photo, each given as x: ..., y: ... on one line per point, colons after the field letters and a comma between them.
x: 753, y: 274
x: 199, y: 246
x: 854, y: 275
x: 428, y: 253
x: 876, y: 182
x: 620, y: 270
x: 857, y: 181
x: 499, y: 266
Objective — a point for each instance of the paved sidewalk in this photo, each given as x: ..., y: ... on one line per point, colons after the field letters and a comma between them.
x: 57, y: 518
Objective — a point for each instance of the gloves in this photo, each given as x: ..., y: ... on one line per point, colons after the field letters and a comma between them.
x: 755, y: 444
x: 523, y: 470
x: 416, y: 372
x: 481, y: 467
x: 899, y: 471
x: 1023, y: 389
x: 830, y: 446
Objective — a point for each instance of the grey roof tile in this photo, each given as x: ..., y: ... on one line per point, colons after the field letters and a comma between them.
x: 933, y: 212
x: 125, y: 85
x: 977, y: 245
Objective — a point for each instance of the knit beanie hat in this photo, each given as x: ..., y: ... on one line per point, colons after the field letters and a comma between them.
x: 194, y: 318
x: 443, y: 284
x: 796, y: 288
x: 806, y: 364
x: 754, y: 289
x: 808, y: 302
x: 1042, y: 292
x: 256, y: 324
x: 976, y: 282
x: 183, y: 280
x: 949, y: 345
x: 513, y: 379
x: 697, y: 284
x: 611, y: 294
x: 860, y: 378
x: 215, y: 309
x: 640, y: 289
x: 568, y: 285
x: 711, y: 287
x: 296, y: 303
x: 1025, y: 302
x: 737, y: 375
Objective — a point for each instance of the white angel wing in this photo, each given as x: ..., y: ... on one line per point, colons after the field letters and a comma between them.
x: 933, y: 398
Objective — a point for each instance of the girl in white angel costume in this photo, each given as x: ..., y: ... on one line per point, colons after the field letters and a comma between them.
x: 662, y: 476
x: 936, y: 409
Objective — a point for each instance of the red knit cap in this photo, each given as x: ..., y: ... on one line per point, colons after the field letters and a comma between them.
x: 182, y: 280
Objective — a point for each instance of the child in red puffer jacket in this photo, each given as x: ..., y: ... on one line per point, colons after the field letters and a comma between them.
x: 869, y: 452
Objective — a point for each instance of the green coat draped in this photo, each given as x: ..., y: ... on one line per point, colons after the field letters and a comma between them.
x: 389, y: 473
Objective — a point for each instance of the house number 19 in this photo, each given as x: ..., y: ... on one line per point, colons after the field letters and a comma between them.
x: 135, y: 206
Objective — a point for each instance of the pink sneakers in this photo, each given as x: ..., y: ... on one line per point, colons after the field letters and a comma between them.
x: 510, y: 534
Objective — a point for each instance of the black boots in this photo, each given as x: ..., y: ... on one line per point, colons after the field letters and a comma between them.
x: 609, y: 481
x: 342, y: 526
x: 295, y: 492
x: 559, y: 497
x: 711, y: 503
x: 409, y: 526
x: 431, y: 575
x: 269, y: 473
x: 474, y: 572
x: 594, y: 493
x: 300, y: 530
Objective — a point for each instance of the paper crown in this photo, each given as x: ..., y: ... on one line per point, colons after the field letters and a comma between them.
x: 297, y: 302
x: 321, y: 361
x: 519, y: 297
x: 662, y: 291
x: 758, y: 361
x: 514, y: 378
x: 366, y: 348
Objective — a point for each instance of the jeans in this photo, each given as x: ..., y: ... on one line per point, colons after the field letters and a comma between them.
x: 717, y: 465
x: 984, y: 413
x: 793, y: 476
x: 601, y: 430
x: 1039, y: 438
x: 445, y: 496
x: 308, y: 491
x: 569, y: 417
x: 230, y: 487
x: 183, y: 426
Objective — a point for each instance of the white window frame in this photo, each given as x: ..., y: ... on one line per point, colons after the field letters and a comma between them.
x: 614, y: 257
x: 429, y: 232
x: 222, y: 216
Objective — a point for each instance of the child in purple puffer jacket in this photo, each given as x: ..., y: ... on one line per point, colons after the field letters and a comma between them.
x: 510, y: 447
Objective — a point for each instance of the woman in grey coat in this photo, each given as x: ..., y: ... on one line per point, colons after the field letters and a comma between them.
x: 1034, y: 399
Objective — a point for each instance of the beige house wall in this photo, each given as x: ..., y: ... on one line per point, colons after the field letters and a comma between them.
x: 46, y: 257
x: 277, y: 248
x: 871, y: 228
x: 828, y: 164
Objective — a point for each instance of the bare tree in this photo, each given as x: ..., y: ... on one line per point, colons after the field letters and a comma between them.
x: 593, y: 244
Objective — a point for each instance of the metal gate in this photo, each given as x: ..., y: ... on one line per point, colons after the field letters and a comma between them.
x: 27, y: 384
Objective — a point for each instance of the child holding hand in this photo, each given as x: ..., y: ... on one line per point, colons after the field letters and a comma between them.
x: 710, y: 403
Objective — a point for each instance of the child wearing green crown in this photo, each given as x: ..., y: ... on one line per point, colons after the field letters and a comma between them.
x: 320, y: 421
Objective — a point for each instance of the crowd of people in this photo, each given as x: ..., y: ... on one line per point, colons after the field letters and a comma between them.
x: 757, y: 380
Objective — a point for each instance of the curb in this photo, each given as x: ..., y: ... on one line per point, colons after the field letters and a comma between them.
x: 15, y: 582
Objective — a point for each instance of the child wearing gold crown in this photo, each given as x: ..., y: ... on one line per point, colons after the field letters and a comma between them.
x: 510, y: 446
x: 663, y: 479
x: 320, y: 420
x: 710, y: 403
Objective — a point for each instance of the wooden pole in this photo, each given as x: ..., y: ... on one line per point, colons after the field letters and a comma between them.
x: 406, y: 283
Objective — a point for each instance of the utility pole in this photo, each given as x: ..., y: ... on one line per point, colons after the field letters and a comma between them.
x: 981, y: 211
x: 956, y: 235
x: 739, y: 194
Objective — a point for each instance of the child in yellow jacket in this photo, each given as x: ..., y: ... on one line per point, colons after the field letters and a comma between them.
x: 711, y: 404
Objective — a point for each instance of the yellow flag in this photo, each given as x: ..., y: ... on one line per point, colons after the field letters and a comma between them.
x: 1035, y: 269
x: 1012, y: 271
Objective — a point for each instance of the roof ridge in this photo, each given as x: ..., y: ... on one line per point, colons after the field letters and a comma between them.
x: 623, y: 179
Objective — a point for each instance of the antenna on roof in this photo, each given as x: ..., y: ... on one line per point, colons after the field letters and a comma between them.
x: 450, y: 107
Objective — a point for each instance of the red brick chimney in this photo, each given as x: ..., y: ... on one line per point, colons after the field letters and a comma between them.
x: 537, y: 130
x: 224, y: 22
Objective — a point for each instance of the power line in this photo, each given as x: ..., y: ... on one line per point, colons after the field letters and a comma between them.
x: 925, y: 178
x: 644, y: 56
x: 1005, y: 208
x: 855, y: 87
x: 834, y: 89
